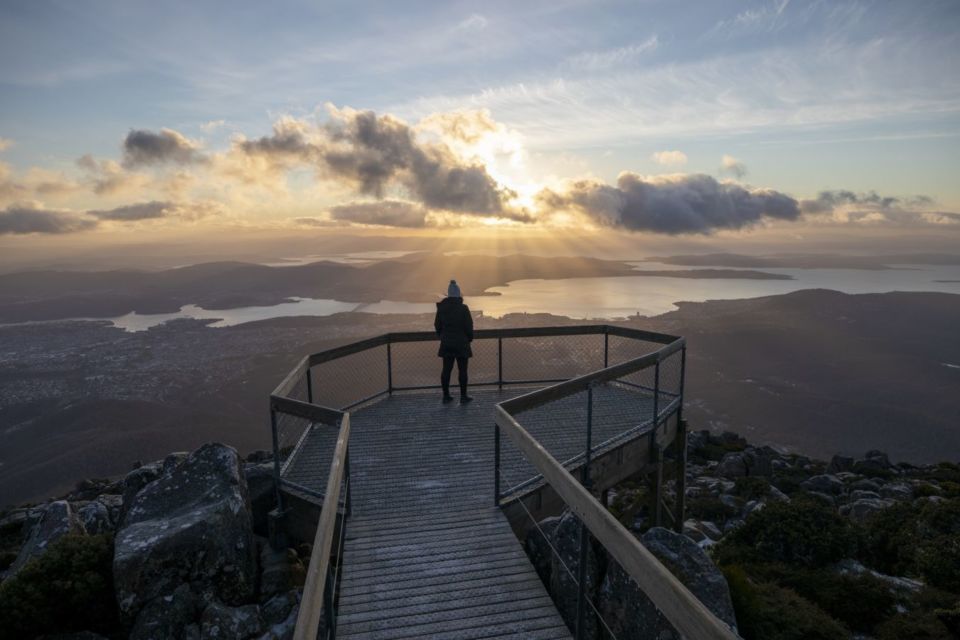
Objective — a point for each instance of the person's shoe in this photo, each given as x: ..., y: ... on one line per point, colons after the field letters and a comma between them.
x: 465, y: 399
x: 447, y: 399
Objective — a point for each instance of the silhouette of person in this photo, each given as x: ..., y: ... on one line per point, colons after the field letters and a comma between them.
x: 454, y: 325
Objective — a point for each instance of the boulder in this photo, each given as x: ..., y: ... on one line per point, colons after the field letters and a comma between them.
x: 166, y: 616
x: 759, y: 461
x: 840, y: 463
x: 56, y: 520
x: 95, y: 517
x: 283, y: 630
x: 281, y: 571
x: 859, y: 494
x: 263, y: 494
x: 190, y: 525
x: 863, y: 509
x: 732, y: 465
x: 875, y: 464
x: 276, y: 609
x: 824, y: 483
x: 631, y: 614
x: 136, y: 480
x: 220, y: 622
x: 537, y: 546
x: 897, y: 491
x: 865, y: 485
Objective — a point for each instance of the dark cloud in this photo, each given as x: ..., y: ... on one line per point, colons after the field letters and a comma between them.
x: 391, y: 213
x: 375, y: 152
x: 679, y: 204
x: 870, y: 207
x: 142, y: 148
x: 132, y: 212
x: 23, y: 219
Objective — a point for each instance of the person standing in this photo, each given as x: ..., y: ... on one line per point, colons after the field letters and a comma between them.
x: 454, y: 325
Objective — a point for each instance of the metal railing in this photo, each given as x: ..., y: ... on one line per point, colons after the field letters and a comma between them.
x: 310, y: 418
x: 677, y: 604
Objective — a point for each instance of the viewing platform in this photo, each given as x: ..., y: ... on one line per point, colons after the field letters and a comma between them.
x: 418, y: 510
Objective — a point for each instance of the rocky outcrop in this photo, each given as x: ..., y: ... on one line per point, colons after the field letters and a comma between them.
x: 56, y: 520
x: 632, y: 615
x: 190, y: 525
x: 220, y: 622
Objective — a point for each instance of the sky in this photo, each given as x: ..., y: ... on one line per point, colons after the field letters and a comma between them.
x: 647, y: 118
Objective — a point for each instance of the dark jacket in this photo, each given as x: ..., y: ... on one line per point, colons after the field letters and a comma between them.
x: 454, y: 325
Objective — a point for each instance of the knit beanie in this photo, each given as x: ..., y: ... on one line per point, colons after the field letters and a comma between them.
x: 453, y: 291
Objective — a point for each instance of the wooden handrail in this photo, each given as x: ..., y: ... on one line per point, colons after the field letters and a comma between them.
x: 311, y: 604
x: 301, y: 409
x: 581, y: 383
x: 684, y: 611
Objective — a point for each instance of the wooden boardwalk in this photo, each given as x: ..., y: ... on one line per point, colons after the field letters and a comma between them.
x: 427, y: 554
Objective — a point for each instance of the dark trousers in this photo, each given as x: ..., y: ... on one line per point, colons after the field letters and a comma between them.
x: 448, y: 369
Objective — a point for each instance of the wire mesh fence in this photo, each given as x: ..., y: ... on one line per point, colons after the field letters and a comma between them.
x: 349, y: 380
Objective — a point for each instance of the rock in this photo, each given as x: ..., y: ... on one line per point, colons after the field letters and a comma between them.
x: 166, y: 616
x: 114, y: 504
x: 864, y: 495
x: 632, y: 615
x: 281, y: 571
x: 840, y: 463
x: 878, y: 457
x: 95, y: 517
x: 262, y: 491
x: 173, y: 460
x: 136, y: 480
x: 732, y: 465
x: 703, y: 532
x: 258, y: 456
x: 861, y: 510
x: 865, y: 485
x: 537, y: 546
x: 276, y: 609
x: 897, y: 491
x: 284, y: 630
x: 731, y: 502
x: 759, y: 461
x: 57, y: 519
x: 191, y: 525
x: 823, y: 497
x: 220, y: 622
x: 776, y: 495
x: 825, y: 483
x: 852, y: 567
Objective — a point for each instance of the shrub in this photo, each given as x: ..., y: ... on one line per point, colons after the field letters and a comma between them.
x: 708, y: 508
x: 916, y: 625
x: 751, y: 487
x: 938, y: 560
x: 802, y: 532
x: 768, y: 612
x: 859, y: 602
x: 68, y: 589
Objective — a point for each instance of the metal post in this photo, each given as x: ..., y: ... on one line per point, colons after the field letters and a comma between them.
x: 582, y: 583
x: 658, y: 486
x: 656, y: 406
x: 500, y: 362
x: 584, y: 533
x: 276, y: 456
x: 389, y: 370
x: 606, y: 349
x: 585, y: 474
x: 309, y: 385
x: 496, y: 464
x: 681, y: 443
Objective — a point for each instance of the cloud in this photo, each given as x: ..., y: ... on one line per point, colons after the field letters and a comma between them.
x: 600, y: 60
x: 108, y: 177
x: 131, y: 212
x: 732, y: 167
x: 676, y: 204
x: 670, y: 157
x: 466, y: 125
x: 374, y: 153
x: 391, y: 213
x: 145, y: 148
x: 213, y: 125
x: 29, y: 218
x: 474, y: 22
x: 871, y: 208
x: 5, y: 143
